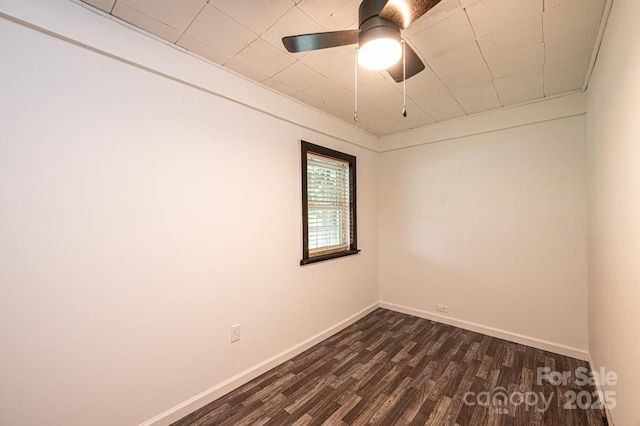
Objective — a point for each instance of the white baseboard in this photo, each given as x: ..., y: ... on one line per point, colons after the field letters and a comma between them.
x: 592, y: 367
x: 179, y: 411
x: 490, y: 331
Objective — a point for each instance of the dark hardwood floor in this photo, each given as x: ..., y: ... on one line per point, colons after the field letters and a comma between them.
x: 395, y: 369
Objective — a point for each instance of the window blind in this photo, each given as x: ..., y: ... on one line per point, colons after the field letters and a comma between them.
x: 328, y: 204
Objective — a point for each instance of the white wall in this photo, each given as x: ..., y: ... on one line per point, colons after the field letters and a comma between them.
x: 127, y: 246
x: 492, y: 225
x: 613, y: 154
x: 130, y: 238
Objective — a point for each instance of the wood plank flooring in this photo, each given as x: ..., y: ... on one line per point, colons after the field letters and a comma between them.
x: 395, y: 369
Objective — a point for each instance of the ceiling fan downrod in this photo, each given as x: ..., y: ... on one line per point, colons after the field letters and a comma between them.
x: 355, y: 113
x: 404, y: 79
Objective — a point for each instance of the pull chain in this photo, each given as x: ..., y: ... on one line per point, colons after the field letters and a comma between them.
x: 404, y: 79
x: 355, y: 113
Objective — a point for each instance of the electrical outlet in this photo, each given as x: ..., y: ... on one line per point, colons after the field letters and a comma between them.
x: 235, y: 333
x: 442, y: 308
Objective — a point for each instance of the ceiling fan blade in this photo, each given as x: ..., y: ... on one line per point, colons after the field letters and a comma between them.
x: 413, y: 66
x: 370, y: 8
x: 405, y: 12
x: 306, y: 42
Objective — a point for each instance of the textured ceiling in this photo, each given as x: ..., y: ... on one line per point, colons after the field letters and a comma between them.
x: 480, y: 55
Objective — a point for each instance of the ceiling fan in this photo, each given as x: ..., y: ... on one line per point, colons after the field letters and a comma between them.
x: 378, y: 36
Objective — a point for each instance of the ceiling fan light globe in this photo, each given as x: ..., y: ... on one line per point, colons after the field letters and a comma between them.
x: 379, y: 54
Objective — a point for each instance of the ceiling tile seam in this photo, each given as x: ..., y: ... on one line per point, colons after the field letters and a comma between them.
x: 107, y: 15
x: 271, y: 44
x: 492, y: 81
x: 449, y: 92
x: 426, y: 63
x: 145, y: 15
x: 245, y: 48
x: 192, y: 21
x: 184, y: 34
x: 310, y: 17
x: 257, y: 36
x: 425, y: 113
x: 455, y: 99
x: 493, y: 78
x: 192, y: 52
x: 139, y: 30
x: 295, y: 5
x: 234, y: 20
x: 415, y: 103
x: 422, y: 109
x: 112, y: 7
x: 596, y: 49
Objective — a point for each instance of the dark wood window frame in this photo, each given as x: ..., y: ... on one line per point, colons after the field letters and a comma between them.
x: 307, y: 148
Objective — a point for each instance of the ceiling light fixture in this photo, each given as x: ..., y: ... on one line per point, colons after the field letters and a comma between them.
x: 380, y: 45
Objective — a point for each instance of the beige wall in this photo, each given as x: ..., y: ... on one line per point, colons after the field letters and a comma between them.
x: 613, y: 152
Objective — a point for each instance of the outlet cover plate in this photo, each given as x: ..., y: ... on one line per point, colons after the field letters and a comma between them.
x: 235, y: 333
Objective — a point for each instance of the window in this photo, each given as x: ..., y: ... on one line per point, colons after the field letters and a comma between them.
x: 328, y: 204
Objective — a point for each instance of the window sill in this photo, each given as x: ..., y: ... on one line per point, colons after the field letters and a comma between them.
x: 328, y: 256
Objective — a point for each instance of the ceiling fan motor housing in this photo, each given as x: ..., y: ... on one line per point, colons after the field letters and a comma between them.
x: 377, y: 27
x: 370, y: 9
